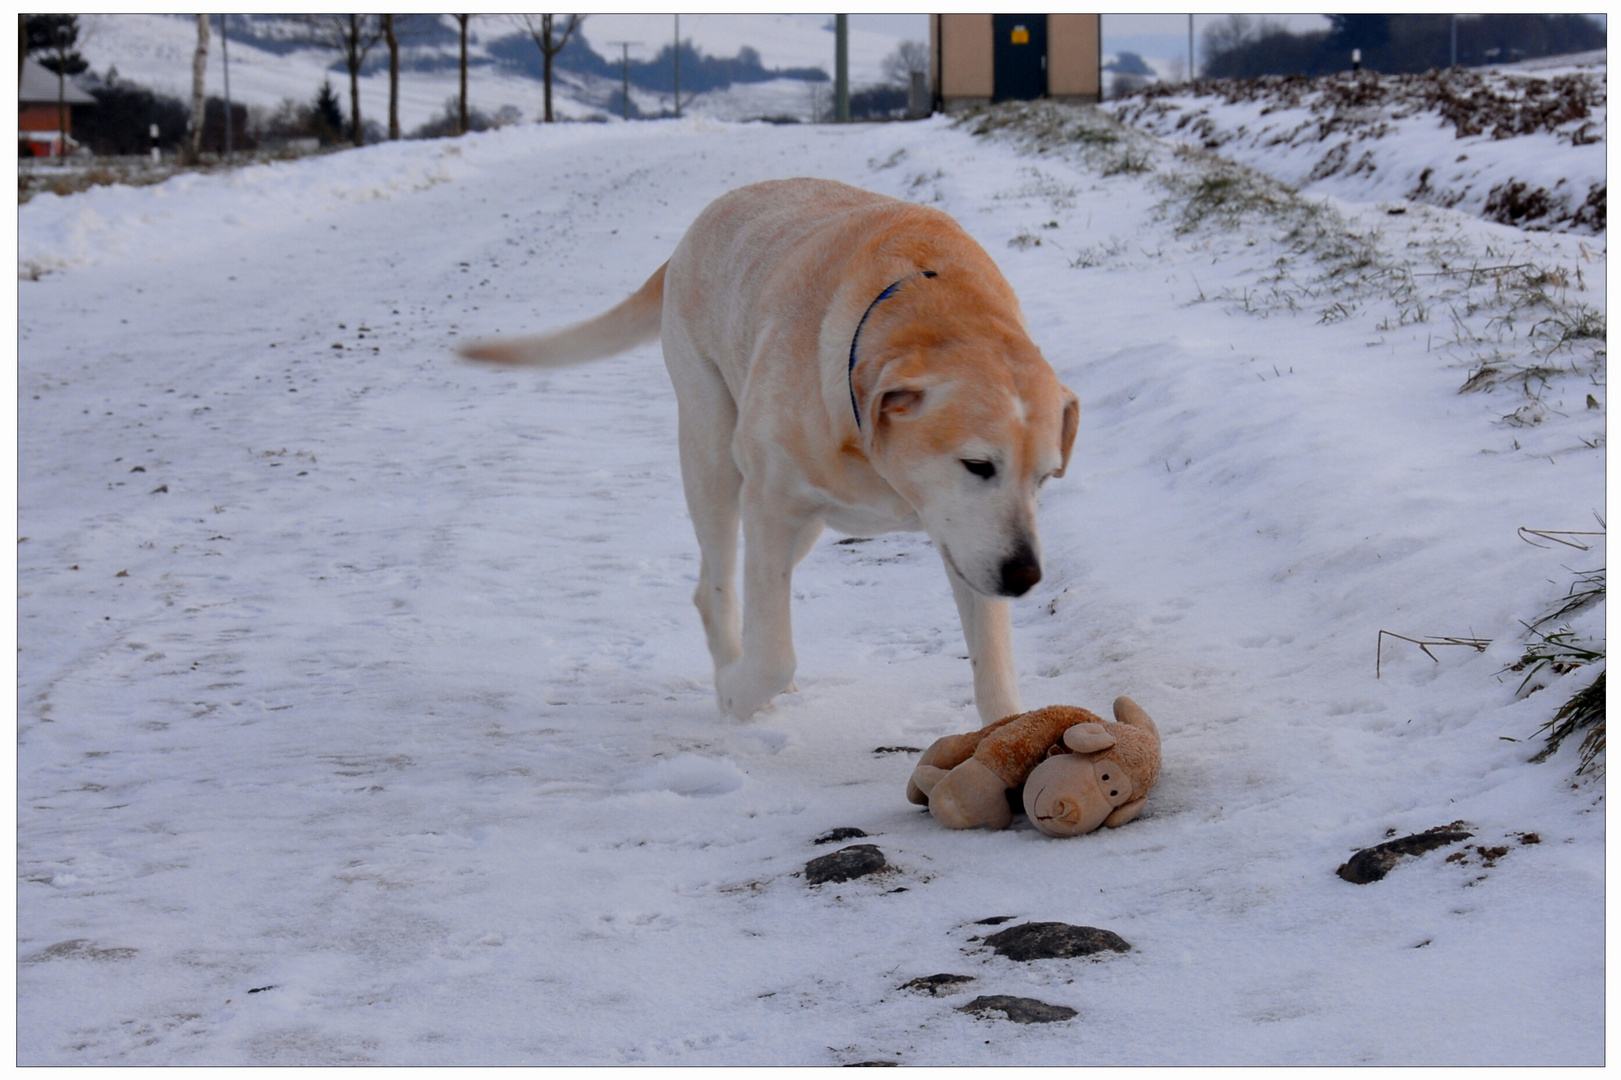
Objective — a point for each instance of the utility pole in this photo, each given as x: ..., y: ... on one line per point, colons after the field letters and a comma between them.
x: 1191, y: 73
x: 841, y: 68
x: 1454, y: 41
x: 624, y: 71
x: 678, y: 67
x: 225, y: 55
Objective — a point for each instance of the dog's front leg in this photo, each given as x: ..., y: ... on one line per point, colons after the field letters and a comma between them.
x: 987, y: 625
x: 775, y: 538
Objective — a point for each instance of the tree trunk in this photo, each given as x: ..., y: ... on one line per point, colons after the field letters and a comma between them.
x: 62, y: 113
x: 354, y: 59
x: 548, y: 49
x: 393, y: 77
x: 548, y: 80
x: 463, y: 19
x: 546, y: 65
x: 199, y: 100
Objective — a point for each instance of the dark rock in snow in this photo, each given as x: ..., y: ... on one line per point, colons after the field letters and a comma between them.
x: 851, y: 862
x: 1020, y: 1010
x: 1371, y: 864
x: 936, y: 985
x: 1054, y: 941
x: 843, y: 832
x: 994, y: 920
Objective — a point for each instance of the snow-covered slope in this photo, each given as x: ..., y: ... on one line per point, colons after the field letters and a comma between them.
x: 1520, y: 145
x: 364, y: 717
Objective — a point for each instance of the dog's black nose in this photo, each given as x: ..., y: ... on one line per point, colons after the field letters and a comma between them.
x: 1020, y: 573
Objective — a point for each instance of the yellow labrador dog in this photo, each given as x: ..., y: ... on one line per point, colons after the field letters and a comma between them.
x: 847, y: 359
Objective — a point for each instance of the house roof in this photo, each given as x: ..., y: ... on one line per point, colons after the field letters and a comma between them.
x: 39, y: 85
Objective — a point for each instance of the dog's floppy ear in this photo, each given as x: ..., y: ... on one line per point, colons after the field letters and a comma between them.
x: 900, y: 402
x: 888, y: 388
x: 1072, y: 424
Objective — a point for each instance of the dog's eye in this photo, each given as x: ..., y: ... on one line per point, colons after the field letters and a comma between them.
x: 982, y: 469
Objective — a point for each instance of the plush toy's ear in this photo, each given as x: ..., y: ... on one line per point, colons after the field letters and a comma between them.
x: 1088, y: 738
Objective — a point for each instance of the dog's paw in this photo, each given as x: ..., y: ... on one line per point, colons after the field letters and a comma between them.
x: 741, y: 690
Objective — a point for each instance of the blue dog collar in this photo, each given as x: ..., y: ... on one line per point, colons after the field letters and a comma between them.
x: 851, y: 372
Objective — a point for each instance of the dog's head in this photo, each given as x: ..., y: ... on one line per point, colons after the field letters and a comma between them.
x: 966, y: 420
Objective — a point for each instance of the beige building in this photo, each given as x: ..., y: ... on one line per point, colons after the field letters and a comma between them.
x: 978, y: 59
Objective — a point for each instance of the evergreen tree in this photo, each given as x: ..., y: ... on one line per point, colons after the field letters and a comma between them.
x: 327, y: 120
x: 54, y: 37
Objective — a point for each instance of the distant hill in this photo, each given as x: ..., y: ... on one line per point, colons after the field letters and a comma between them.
x: 1392, y: 44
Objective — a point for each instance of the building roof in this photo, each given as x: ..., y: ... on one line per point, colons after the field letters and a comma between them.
x: 39, y: 85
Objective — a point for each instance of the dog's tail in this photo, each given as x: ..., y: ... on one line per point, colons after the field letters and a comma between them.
x: 633, y: 322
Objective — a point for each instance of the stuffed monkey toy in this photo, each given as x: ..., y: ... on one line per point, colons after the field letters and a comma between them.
x: 1077, y: 770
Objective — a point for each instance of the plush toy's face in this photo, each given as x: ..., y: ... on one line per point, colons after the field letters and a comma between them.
x: 1071, y: 794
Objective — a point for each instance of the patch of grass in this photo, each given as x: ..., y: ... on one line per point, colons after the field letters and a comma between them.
x: 37, y: 177
x: 1098, y: 254
x: 1583, y: 711
x: 1585, y: 591
x: 1559, y: 653
x: 1568, y: 326
x: 1219, y: 193
x: 1040, y: 128
x: 1129, y: 163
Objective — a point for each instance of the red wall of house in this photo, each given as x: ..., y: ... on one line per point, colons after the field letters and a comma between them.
x: 36, y: 116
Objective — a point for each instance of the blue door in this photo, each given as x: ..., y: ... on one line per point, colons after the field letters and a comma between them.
x: 1019, y: 57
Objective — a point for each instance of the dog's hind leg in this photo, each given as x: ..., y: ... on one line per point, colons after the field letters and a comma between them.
x: 711, y: 480
x: 987, y: 626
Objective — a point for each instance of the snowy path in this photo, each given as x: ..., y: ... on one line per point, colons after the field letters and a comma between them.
x: 364, y: 717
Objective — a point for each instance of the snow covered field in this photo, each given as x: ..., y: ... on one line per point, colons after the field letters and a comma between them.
x: 156, y: 51
x: 364, y: 716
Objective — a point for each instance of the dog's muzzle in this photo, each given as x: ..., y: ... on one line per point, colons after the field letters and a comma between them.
x: 1020, y: 572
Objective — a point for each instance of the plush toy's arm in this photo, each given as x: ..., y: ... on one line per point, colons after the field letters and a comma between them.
x: 946, y: 753
x: 1012, y: 751
x: 1125, y: 813
x: 924, y: 777
x: 970, y: 796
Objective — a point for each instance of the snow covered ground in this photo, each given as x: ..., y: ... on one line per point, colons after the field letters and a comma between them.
x: 364, y: 717
x: 1522, y: 144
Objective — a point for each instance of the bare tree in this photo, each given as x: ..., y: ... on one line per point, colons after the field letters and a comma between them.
x: 909, y: 56
x: 352, y: 36
x: 542, y: 30
x: 393, y: 77
x: 395, y: 29
x: 462, y: 21
x: 199, y: 97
